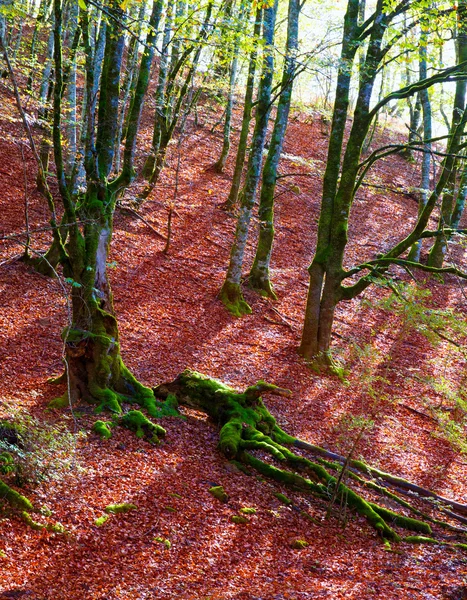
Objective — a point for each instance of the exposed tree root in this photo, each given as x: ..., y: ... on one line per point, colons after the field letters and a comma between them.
x: 250, y: 434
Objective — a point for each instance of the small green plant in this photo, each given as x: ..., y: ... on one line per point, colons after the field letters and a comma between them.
x: 32, y: 451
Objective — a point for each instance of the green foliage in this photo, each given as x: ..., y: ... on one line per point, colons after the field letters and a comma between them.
x: 39, y: 451
x: 7, y: 463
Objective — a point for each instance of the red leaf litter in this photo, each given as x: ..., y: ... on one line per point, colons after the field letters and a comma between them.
x: 180, y: 542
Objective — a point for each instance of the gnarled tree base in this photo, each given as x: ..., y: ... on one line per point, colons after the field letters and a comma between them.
x: 232, y: 298
x: 246, y: 426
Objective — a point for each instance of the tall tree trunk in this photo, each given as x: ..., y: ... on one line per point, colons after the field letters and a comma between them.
x: 313, y: 338
x: 220, y: 164
x: 450, y: 212
x: 247, y: 108
x: 95, y: 371
x: 130, y: 77
x: 414, y: 254
x: 160, y: 91
x: 259, y: 277
x: 231, y: 294
x: 174, y: 99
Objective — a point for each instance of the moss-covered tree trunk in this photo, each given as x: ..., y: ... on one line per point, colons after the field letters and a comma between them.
x: 315, y: 334
x: 342, y: 180
x: 95, y: 371
x: 231, y: 294
x: 451, y: 210
x: 259, y: 277
x: 246, y: 118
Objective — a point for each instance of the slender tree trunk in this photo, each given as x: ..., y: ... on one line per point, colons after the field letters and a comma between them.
x: 259, y: 277
x: 160, y: 91
x: 231, y: 294
x: 131, y: 75
x: 174, y: 99
x: 247, y: 107
x: 220, y: 164
x: 414, y: 254
x: 450, y: 212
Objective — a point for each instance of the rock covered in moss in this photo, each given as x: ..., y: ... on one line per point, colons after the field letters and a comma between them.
x: 218, y: 492
x: 102, y: 428
x: 299, y: 544
x: 239, y: 519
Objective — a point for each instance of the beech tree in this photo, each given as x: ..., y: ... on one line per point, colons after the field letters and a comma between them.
x: 330, y: 282
x: 95, y: 372
x: 94, y: 369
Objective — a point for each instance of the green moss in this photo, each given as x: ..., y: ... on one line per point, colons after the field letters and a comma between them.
x: 59, y: 403
x: 142, y: 426
x: 115, y: 509
x: 281, y: 437
x: 107, y: 399
x: 283, y: 498
x: 101, y: 520
x: 218, y: 492
x: 364, y: 509
x: 461, y: 546
x: 420, y: 539
x: 232, y: 298
x: 406, y: 522
x: 246, y: 510
x: 239, y: 519
x: 50, y: 527
x: 167, y: 543
x: 102, y: 428
x: 14, y: 499
x: 230, y: 437
x: 299, y: 544
x: 285, y: 477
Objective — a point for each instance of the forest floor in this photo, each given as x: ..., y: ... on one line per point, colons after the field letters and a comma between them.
x: 171, y: 318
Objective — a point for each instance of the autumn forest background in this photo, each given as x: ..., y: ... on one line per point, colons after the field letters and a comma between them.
x: 233, y: 299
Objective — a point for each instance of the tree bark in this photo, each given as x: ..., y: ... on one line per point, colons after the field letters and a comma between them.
x: 259, y: 277
x: 231, y: 294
